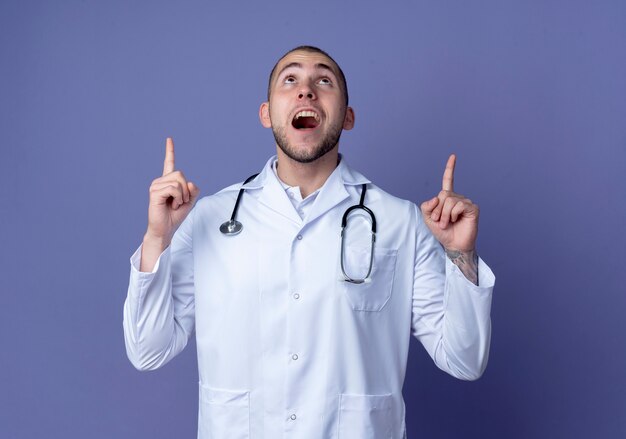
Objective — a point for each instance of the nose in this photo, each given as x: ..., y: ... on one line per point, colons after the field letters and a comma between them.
x: 306, y: 91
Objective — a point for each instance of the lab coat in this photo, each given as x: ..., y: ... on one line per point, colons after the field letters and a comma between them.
x: 287, y: 348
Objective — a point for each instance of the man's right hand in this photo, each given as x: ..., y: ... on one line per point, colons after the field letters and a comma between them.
x: 171, y: 199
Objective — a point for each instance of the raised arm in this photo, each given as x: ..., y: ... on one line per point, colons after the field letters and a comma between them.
x: 159, y: 314
x: 451, y: 312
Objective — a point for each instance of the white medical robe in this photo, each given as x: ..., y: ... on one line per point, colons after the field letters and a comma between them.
x: 287, y: 348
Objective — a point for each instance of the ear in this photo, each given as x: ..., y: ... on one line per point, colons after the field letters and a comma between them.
x: 264, y: 115
x: 348, y: 121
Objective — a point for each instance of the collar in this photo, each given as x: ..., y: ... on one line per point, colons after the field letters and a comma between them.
x: 273, y: 195
x: 345, y: 174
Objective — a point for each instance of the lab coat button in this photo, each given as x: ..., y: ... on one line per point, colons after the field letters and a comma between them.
x: 299, y: 237
x: 294, y: 356
x: 296, y: 296
x: 293, y: 417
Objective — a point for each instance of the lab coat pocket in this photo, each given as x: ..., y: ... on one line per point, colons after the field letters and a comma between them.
x: 365, y: 417
x: 224, y: 414
x: 374, y: 293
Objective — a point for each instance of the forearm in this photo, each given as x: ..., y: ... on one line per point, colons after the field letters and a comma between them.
x: 467, y: 263
x: 156, y: 326
x: 467, y: 323
x: 451, y: 316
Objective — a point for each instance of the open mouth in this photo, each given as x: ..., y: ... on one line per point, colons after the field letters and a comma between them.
x: 305, y: 120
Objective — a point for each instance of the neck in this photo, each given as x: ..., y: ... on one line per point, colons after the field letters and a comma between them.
x: 308, y: 176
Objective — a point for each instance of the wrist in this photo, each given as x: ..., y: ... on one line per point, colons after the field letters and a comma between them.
x: 454, y: 252
x: 156, y: 242
x: 467, y: 261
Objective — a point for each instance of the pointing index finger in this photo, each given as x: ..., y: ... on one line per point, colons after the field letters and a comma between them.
x: 448, y: 174
x: 168, y: 164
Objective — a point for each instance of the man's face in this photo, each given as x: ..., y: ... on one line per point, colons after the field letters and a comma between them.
x: 307, y: 109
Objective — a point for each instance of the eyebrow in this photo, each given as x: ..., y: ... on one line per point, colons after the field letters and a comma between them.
x: 321, y: 66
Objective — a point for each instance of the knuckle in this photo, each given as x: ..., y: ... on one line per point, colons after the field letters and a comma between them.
x: 170, y: 187
x: 182, y: 181
x: 173, y: 185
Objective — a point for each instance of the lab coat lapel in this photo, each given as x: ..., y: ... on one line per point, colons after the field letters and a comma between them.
x: 274, y: 196
x: 334, y: 190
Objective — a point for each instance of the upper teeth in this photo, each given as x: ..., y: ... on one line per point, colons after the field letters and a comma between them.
x: 307, y: 114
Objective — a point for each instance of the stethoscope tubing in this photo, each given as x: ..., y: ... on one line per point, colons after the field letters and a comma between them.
x: 344, y: 222
x: 233, y: 227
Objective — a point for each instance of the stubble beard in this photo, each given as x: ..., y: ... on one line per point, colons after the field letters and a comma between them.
x: 328, y: 142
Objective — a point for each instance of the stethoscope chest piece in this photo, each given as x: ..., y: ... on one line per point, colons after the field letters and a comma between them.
x: 231, y: 227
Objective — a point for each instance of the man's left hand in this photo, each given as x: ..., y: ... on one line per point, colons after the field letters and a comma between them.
x: 451, y: 217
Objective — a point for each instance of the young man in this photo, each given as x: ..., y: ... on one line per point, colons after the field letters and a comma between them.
x: 303, y: 330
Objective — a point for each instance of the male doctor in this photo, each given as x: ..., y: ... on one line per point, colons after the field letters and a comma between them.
x: 296, y: 336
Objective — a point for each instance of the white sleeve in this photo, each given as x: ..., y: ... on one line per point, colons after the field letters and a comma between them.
x: 451, y: 315
x: 159, y: 311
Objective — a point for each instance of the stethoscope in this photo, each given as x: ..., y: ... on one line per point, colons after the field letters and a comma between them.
x: 233, y: 227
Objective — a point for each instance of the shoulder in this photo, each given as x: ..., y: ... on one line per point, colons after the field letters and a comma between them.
x: 227, y: 195
x: 375, y: 194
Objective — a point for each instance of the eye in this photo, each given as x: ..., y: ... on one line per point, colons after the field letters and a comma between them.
x: 325, y: 81
x: 289, y: 80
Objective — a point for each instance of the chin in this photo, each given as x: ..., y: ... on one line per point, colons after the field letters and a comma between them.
x: 304, y: 154
x: 303, y: 151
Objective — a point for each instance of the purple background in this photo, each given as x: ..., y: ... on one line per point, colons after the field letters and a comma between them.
x: 530, y: 95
